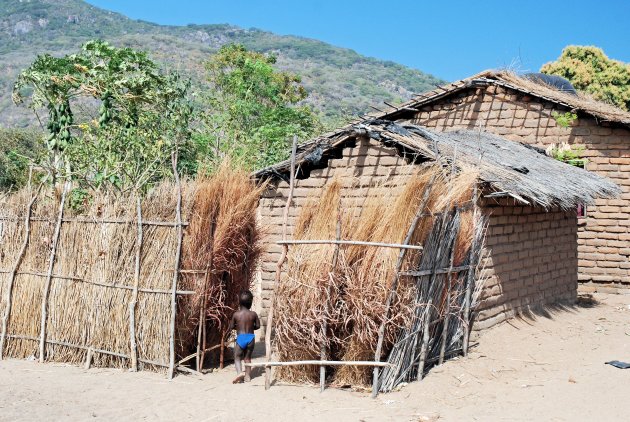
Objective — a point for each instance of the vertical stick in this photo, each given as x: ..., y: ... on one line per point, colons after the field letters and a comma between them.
x: 394, y: 285
x: 322, y: 368
x: 425, y: 338
x: 448, y: 310
x: 222, y: 349
x: 201, y: 333
x: 283, y: 257
x: 12, y: 275
x: 88, y: 359
x: 471, y: 274
x: 201, y: 328
x: 51, y: 264
x: 178, y: 252
x: 134, y: 295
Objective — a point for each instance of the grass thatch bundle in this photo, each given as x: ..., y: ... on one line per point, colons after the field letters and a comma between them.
x: 89, y: 276
x: 349, y: 300
x: 220, y: 253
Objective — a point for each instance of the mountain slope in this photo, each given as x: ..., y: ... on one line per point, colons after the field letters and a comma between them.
x: 340, y: 81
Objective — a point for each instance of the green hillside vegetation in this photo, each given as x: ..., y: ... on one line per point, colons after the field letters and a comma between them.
x: 340, y: 82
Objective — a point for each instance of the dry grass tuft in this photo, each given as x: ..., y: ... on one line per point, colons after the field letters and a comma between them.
x: 350, y: 298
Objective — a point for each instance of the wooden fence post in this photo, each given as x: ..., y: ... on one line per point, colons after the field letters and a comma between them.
x: 470, y: 279
x: 134, y: 295
x: 394, y: 284
x: 180, y: 233
x: 283, y: 257
x: 51, y: 265
x: 322, y: 368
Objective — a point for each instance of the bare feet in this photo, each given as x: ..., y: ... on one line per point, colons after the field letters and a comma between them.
x: 238, y: 380
x: 247, y: 378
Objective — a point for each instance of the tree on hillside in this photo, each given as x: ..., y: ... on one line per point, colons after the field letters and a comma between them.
x: 253, y: 109
x: 18, y: 149
x: 591, y: 71
x: 113, y: 117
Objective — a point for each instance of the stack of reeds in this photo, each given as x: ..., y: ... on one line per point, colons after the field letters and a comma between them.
x: 220, y: 253
x: 96, y: 286
x: 340, y: 309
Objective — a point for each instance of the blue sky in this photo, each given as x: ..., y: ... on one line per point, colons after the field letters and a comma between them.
x: 450, y: 39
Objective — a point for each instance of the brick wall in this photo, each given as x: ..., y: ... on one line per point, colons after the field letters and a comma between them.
x: 369, y: 165
x: 604, y: 236
x: 530, y: 261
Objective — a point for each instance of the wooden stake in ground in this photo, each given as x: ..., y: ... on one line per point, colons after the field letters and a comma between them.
x: 322, y: 368
x: 201, y: 333
x: 283, y: 257
x: 448, y: 310
x: 14, y: 270
x: 178, y: 253
x: 134, y: 294
x: 51, y: 264
x: 394, y: 284
x: 470, y: 279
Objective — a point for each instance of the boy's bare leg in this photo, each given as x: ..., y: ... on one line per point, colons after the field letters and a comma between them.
x: 248, y: 359
x: 238, y: 355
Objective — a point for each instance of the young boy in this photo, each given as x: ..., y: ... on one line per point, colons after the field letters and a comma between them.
x: 245, y: 322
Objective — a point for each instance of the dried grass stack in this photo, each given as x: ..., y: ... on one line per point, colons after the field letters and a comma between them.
x: 307, y: 299
x: 350, y: 298
x: 93, y: 272
x: 220, y: 252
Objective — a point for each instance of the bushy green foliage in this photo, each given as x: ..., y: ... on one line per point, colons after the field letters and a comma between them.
x: 18, y: 149
x: 253, y: 109
x: 113, y: 118
x: 591, y: 71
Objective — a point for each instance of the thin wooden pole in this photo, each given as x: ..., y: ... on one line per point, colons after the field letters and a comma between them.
x: 283, y: 257
x: 201, y: 333
x: 347, y: 242
x: 394, y: 284
x: 100, y: 221
x: 96, y: 283
x: 448, y: 310
x: 16, y: 266
x: 222, y: 349
x: 323, y: 351
x: 471, y: 274
x: 319, y: 363
x: 425, y: 338
x: 134, y: 295
x: 178, y: 253
x: 201, y: 327
x: 86, y: 348
x: 51, y: 264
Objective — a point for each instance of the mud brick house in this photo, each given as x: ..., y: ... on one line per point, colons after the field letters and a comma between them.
x: 531, y: 244
x: 522, y: 110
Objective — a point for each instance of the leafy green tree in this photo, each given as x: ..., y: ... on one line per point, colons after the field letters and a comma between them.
x: 113, y: 118
x: 591, y: 71
x: 18, y: 149
x: 253, y: 109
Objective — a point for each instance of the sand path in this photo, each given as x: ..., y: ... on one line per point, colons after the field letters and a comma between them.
x: 549, y: 368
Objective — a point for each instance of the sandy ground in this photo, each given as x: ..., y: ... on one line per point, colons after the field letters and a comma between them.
x: 548, y: 368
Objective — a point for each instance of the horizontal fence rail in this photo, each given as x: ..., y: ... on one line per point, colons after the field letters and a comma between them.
x: 348, y: 242
x: 96, y: 283
x: 319, y: 363
x: 97, y: 221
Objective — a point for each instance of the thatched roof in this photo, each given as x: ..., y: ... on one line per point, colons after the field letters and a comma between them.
x: 579, y: 103
x: 505, y: 168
